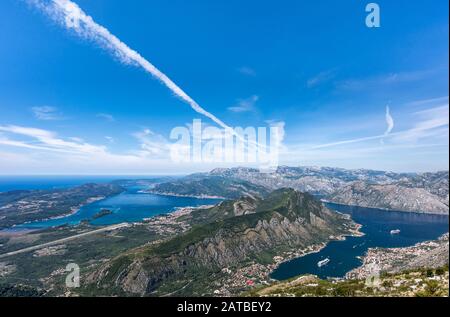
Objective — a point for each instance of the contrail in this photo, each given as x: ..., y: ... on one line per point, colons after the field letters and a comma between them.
x: 389, y: 121
x: 71, y: 16
x: 390, y: 127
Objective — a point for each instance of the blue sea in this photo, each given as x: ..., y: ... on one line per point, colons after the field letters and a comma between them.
x: 377, y: 224
x: 8, y: 183
x: 130, y: 206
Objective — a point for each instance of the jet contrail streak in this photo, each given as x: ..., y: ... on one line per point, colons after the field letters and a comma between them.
x: 71, y: 16
x: 389, y: 121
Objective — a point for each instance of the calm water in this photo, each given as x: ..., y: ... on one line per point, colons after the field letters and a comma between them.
x: 377, y: 225
x: 129, y: 206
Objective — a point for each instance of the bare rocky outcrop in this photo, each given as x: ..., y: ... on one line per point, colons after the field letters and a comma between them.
x: 392, y: 197
x: 425, y: 192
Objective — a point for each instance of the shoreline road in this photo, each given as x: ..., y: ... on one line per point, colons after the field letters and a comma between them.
x: 48, y: 244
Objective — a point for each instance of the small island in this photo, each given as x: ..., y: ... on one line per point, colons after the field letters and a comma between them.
x: 102, y: 213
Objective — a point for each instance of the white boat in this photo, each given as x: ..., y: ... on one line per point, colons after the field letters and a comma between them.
x: 323, y: 262
x: 396, y: 231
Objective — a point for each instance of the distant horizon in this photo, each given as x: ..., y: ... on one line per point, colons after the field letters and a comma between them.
x: 209, y: 170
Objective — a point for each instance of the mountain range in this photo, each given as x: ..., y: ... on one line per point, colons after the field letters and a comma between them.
x: 427, y: 192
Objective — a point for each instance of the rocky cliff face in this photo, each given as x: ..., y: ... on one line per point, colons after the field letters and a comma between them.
x: 398, y: 196
x: 314, y: 180
x: 434, y: 183
x: 286, y: 220
x: 427, y: 192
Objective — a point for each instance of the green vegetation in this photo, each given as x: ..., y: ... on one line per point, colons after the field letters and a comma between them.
x: 102, y: 213
x: 214, y: 186
x: 18, y: 290
x: 417, y: 282
x: 17, y: 207
x: 47, y: 271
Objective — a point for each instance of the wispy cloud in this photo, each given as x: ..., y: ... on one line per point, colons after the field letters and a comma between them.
x: 431, y: 123
x: 37, y: 150
x: 248, y: 71
x: 384, y: 79
x: 72, y: 17
x: 152, y: 144
x: 321, y: 78
x: 110, y: 139
x: 46, y: 113
x: 350, y: 141
x: 106, y: 116
x: 245, y: 105
x: 439, y: 100
x: 40, y: 139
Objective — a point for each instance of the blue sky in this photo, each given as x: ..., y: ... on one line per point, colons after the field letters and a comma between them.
x: 69, y: 106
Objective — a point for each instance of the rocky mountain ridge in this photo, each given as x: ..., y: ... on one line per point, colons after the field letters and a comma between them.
x: 249, y: 230
x: 426, y: 192
x: 391, y: 197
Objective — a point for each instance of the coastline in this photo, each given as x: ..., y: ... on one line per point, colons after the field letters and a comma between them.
x: 73, y: 211
x: 394, y: 260
x: 388, y: 209
x: 177, y: 212
x: 180, y: 195
x: 76, y: 209
x: 353, y: 232
x: 243, y: 278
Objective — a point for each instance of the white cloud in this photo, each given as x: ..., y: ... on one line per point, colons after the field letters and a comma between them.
x: 384, y: 79
x: 106, y: 116
x: 433, y: 123
x: 42, y: 151
x: 110, y: 139
x: 46, y: 113
x: 422, y: 102
x: 245, y: 105
x: 152, y: 144
x: 46, y: 140
x: 321, y: 78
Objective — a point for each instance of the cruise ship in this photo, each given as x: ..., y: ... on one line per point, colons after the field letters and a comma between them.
x: 323, y: 262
